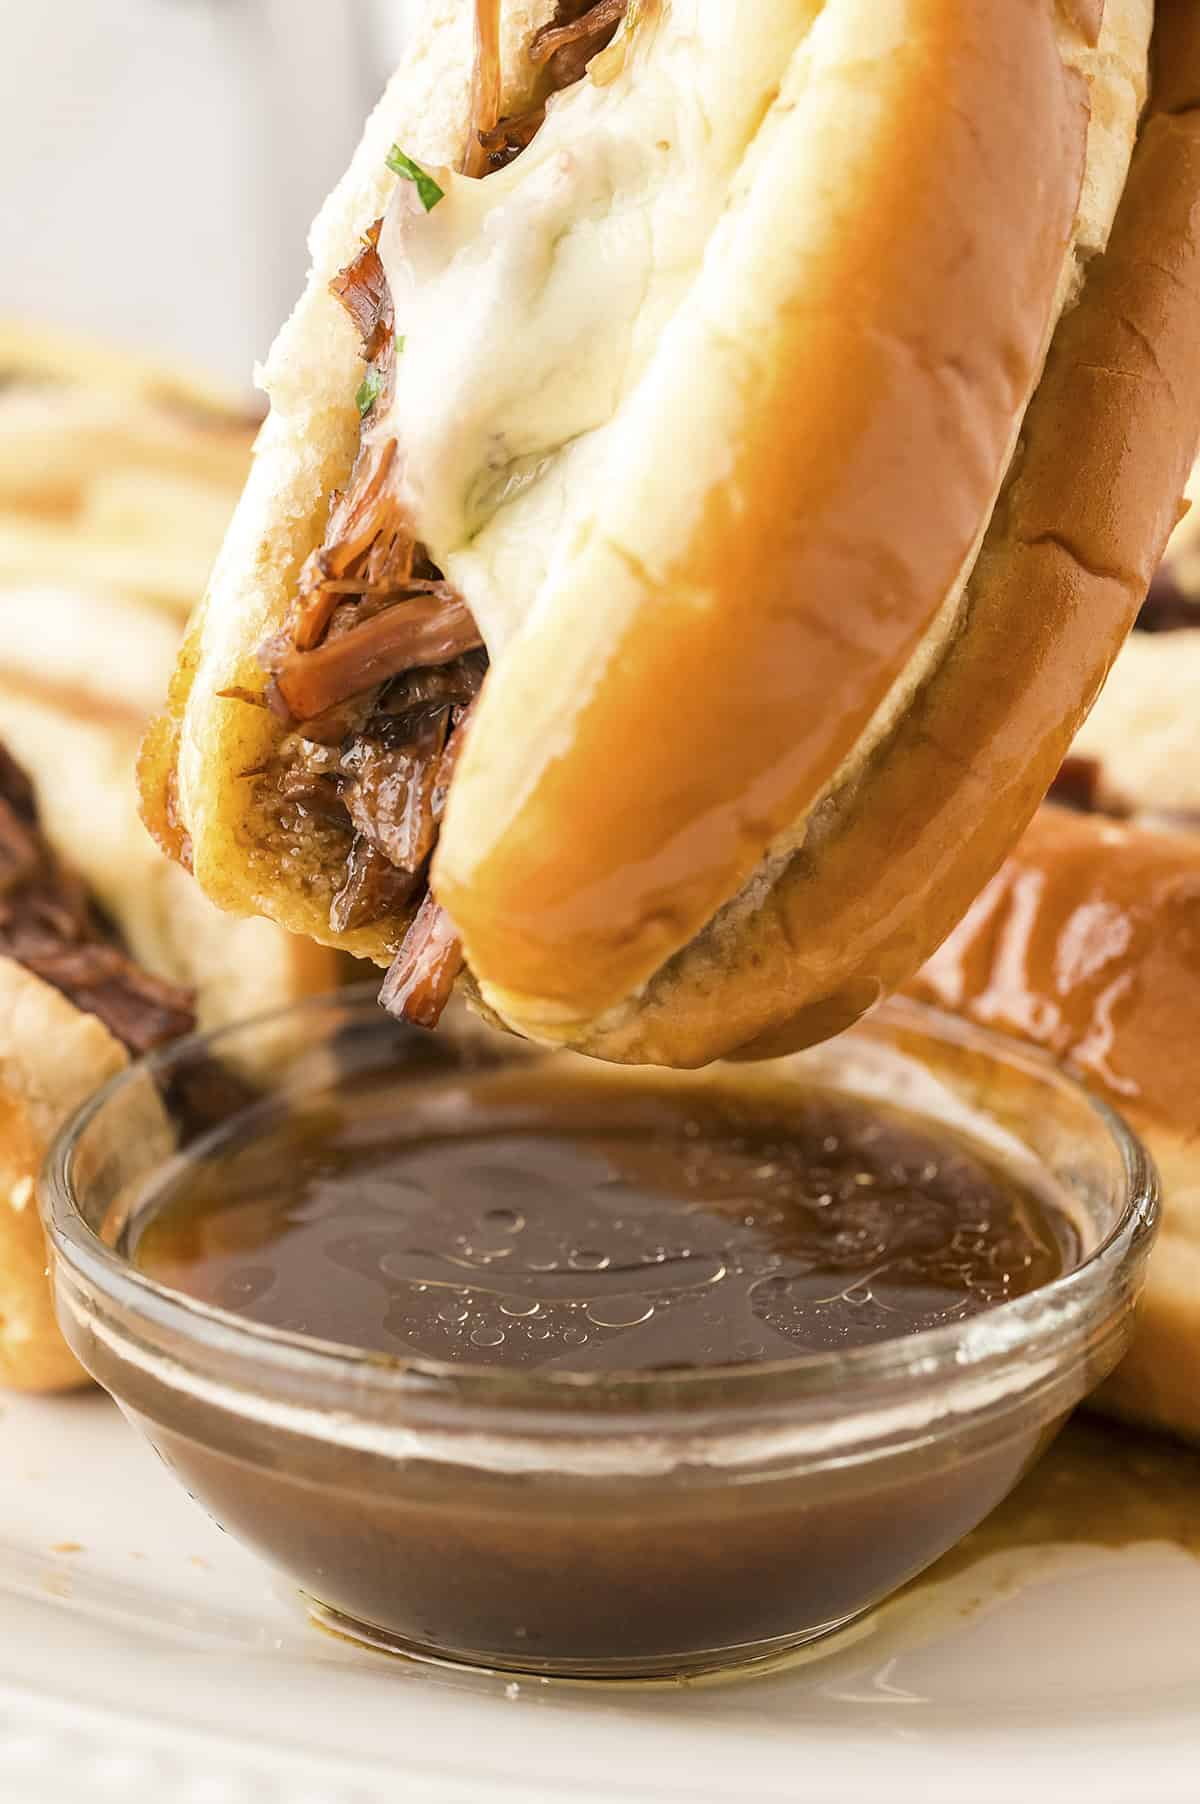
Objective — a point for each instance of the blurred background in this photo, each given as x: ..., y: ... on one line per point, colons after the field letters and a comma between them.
x: 162, y: 160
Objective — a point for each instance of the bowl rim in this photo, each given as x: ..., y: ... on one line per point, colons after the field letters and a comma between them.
x: 1025, y: 1328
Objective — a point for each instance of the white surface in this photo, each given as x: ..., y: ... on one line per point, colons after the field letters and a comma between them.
x: 160, y: 1664
x: 162, y: 160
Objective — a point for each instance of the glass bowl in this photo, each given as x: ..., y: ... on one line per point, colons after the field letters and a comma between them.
x: 599, y: 1524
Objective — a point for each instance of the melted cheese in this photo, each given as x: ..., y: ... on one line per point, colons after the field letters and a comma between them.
x: 532, y: 303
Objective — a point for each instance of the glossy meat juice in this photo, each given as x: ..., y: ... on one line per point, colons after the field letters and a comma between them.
x: 591, y: 1224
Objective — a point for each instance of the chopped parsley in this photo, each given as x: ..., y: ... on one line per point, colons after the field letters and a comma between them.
x: 399, y: 342
x: 428, y: 192
x: 369, y: 390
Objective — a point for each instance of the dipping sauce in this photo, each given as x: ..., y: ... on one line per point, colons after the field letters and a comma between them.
x: 611, y: 1374
x: 591, y: 1224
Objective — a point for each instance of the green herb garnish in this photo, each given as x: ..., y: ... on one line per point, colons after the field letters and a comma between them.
x: 400, y: 342
x: 428, y: 192
x: 369, y: 390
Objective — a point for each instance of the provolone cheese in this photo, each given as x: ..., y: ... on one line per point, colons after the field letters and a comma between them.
x: 531, y: 303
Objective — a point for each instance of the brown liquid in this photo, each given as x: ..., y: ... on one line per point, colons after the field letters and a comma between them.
x: 596, y: 1225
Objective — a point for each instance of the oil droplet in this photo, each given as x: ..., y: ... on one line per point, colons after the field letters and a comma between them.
x: 248, y: 1286
x: 487, y: 1337
x: 575, y: 1337
x: 620, y: 1312
x: 452, y: 1312
x: 586, y: 1259
x: 520, y: 1306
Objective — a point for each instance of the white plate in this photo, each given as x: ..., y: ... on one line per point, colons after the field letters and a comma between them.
x: 145, y: 1657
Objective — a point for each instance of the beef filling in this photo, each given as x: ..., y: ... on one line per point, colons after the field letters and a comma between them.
x: 49, y: 925
x: 1168, y: 607
x: 379, y: 662
x: 1077, y: 784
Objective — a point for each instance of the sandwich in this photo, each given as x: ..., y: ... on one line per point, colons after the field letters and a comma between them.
x: 1087, y: 943
x: 715, y: 461
x: 79, y: 677
x: 74, y: 1007
x: 107, y: 951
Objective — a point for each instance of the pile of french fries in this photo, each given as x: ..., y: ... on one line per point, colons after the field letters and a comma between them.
x: 117, y: 476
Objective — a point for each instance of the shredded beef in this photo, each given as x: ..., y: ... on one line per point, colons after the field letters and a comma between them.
x: 317, y: 792
x: 452, y: 685
x: 425, y: 630
x: 380, y: 661
x: 505, y: 142
x: 372, y: 888
x: 487, y: 83
x: 579, y: 31
x: 1077, y: 784
x: 389, y: 792
x: 574, y: 36
x: 49, y: 925
x: 423, y: 973
x: 368, y: 549
x: 362, y: 288
x: 1168, y: 607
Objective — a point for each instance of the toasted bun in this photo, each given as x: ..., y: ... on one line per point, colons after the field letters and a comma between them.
x: 77, y: 680
x: 725, y: 782
x: 117, y: 474
x: 52, y: 1056
x: 192, y: 784
x: 1087, y: 942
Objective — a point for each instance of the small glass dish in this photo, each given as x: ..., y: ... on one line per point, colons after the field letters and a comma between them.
x: 600, y: 1524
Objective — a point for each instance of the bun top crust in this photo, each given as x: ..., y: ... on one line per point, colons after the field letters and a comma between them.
x: 849, y: 373
x: 52, y: 1057
x: 897, y: 856
x: 1087, y: 942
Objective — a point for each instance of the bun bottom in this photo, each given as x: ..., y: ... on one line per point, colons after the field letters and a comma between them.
x: 52, y: 1056
x: 893, y: 859
x: 1157, y: 1385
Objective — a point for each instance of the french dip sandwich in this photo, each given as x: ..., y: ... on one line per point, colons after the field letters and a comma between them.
x: 74, y: 1007
x: 715, y: 461
x: 106, y: 949
x: 1087, y: 943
